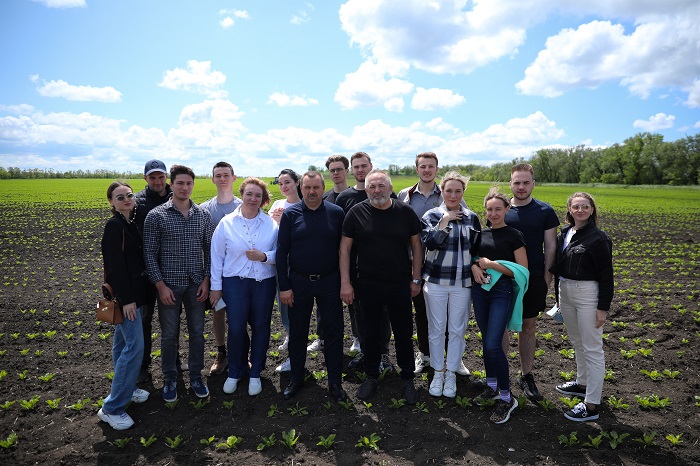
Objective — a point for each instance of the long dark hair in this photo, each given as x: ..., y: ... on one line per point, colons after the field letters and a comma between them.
x: 294, y: 176
x: 111, y: 189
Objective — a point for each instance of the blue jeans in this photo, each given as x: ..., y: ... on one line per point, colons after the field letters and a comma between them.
x: 253, y: 306
x: 492, y: 310
x: 169, y: 318
x: 127, y: 353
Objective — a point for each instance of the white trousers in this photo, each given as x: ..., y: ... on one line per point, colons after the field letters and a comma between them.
x: 438, y: 299
x: 578, y: 301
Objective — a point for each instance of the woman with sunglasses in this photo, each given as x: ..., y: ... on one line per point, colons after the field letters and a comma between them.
x: 125, y: 272
x: 583, y: 274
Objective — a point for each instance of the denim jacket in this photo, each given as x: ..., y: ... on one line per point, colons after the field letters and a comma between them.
x: 587, y: 257
x: 440, y: 265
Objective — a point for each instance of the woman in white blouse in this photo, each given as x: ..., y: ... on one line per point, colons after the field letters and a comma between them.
x: 243, y: 273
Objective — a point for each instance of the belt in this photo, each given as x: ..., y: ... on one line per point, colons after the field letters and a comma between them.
x: 314, y: 277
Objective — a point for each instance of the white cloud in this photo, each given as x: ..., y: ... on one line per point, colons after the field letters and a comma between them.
x: 63, y: 3
x: 394, y: 104
x: 303, y: 15
x: 214, y: 129
x: 283, y: 100
x: 654, y: 55
x: 693, y: 94
x: 67, y: 91
x: 228, y: 17
x: 439, y: 36
x: 697, y: 124
x: 373, y: 83
x: 434, y: 99
x: 655, y: 122
x: 198, y: 78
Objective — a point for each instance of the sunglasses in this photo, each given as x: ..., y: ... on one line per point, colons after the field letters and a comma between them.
x: 583, y: 207
x: 121, y: 197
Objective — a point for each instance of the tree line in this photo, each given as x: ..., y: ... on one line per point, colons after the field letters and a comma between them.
x: 642, y: 159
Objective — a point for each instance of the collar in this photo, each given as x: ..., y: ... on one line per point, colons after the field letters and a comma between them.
x: 414, y: 188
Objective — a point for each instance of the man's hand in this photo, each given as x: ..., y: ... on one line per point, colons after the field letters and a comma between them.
x: 287, y: 297
x: 165, y: 294
x: 415, y: 289
x: 214, y: 297
x: 347, y: 294
x: 203, y: 290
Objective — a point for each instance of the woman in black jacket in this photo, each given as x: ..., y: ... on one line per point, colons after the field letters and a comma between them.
x: 583, y: 272
x: 125, y: 271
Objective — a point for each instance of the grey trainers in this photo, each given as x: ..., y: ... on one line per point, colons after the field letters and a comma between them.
x: 385, y: 364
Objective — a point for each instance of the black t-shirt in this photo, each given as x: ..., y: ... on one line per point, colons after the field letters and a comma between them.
x: 500, y: 243
x: 350, y: 198
x: 532, y: 220
x: 382, y: 240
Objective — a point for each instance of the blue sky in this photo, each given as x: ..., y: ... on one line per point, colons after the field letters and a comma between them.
x: 273, y: 84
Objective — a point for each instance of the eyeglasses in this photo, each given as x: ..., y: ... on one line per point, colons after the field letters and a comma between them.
x: 584, y: 207
x: 336, y: 170
x: 121, y: 197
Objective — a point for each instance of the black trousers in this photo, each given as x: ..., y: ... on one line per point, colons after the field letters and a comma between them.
x: 396, y: 298
x: 329, y: 310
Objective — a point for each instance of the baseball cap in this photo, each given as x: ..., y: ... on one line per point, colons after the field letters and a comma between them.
x: 154, y: 166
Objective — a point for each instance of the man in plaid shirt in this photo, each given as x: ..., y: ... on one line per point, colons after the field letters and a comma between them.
x: 177, y: 251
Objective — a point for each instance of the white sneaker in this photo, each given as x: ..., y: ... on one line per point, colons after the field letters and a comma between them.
x: 463, y: 369
x: 437, y: 383
x: 355, y: 345
x: 230, y: 385
x: 450, y: 388
x: 421, y: 362
x: 284, y: 345
x: 139, y: 396
x: 117, y: 422
x: 315, y: 346
x: 286, y: 366
x: 254, y: 386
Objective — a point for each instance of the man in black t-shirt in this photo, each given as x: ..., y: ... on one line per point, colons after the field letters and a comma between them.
x: 538, y: 223
x: 386, y: 236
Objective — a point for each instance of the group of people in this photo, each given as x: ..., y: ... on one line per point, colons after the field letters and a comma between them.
x: 380, y: 253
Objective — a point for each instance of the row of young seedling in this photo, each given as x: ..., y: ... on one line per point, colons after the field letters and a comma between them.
x: 615, y: 440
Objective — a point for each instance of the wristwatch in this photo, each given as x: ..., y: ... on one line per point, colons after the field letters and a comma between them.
x: 417, y: 281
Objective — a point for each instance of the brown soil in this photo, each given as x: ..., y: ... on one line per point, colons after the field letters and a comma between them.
x: 51, y: 271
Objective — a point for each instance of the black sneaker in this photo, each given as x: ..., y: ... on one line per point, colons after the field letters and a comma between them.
x: 572, y: 389
x: 488, y: 394
x: 502, y: 412
x: 409, y: 392
x: 357, y: 362
x: 581, y: 413
x: 527, y: 384
x: 368, y: 388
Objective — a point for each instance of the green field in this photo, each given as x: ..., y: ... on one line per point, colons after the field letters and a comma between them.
x: 611, y: 199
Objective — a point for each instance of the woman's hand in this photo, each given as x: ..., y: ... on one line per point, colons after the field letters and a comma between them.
x: 255, y: 255
x: 129, y: 311
x: 449, y: 216
x: 276, y: 214
x: 478, y: 273
x: 600, y: 317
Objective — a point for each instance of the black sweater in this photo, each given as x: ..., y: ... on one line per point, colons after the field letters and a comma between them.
x: 588, y: 257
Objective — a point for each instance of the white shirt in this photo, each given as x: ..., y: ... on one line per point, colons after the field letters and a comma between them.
x: 235, y: 235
